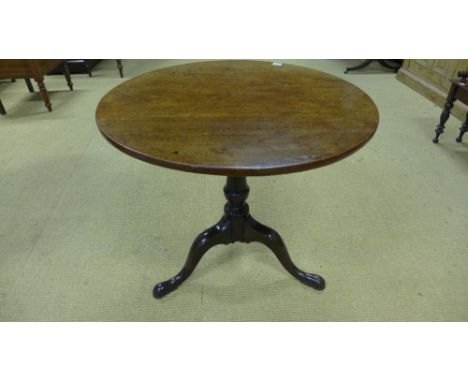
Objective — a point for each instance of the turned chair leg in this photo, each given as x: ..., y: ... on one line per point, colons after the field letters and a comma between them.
x: 2, y: 109
x: 463, y: 129
x: 29, y: 85
x: 120, y: 67
x: 445, y: 113
x: 66, y: 72
x: 44, y: 93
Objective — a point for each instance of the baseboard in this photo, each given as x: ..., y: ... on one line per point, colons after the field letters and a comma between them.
x: 431, y: 92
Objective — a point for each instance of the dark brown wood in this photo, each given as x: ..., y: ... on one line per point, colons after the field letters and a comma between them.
x: 463, y: 129
x: 77, y: 66
x: 66, y: 72
x: 120, y: 67
x: 2, y: 108
x: 29, y: 85
x: 237, y: 225
x: 237, y: 118
x: 88, y: 68
x: 393, y: 65
x: 44, y: 94
x: 458, y: 92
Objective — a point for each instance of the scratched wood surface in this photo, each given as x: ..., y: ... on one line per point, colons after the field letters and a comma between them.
x: 237, y: 118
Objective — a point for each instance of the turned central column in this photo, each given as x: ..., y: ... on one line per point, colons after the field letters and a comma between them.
x: 236, y: 210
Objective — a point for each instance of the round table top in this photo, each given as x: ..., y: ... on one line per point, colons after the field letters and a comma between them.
x: 237, y: 118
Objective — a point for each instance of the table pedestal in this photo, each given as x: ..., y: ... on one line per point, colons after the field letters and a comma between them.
x: 237, y: 225
x: 365, y: 63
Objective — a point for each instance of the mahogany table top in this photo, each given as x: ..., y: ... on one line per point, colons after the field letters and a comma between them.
x: 237, y: 118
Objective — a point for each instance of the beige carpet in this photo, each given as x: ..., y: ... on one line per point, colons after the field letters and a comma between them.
x: 86, y: 231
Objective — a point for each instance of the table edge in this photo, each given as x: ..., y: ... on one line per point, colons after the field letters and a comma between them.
x: 213, y: 170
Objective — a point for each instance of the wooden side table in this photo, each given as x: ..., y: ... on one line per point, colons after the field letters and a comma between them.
x: 458, y: 91
x: 35, y: 69
x: 237, y: 119
x: 389, y: 64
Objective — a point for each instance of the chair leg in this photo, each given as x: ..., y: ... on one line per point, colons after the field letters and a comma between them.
x: 120, y: 67
x: 2, y: 109
x: 29, y: 85
x: 66, y: 72
x: 463, y: 129
x: 88, y: 69
x: 44, y: 93
x: 445, y: 113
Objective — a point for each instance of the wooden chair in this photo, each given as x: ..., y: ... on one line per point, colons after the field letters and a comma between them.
x: 458, y: 91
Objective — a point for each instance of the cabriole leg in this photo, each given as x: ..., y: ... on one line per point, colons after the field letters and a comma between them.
x: 237, y: 226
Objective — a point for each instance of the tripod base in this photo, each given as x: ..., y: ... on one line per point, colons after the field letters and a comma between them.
x: 237, y: 225
x: 365, y: 63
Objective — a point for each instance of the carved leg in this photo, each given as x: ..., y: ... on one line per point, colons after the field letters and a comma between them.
x: 215, y: 235
x: 44, y: 93
x: 29, y: 85
x: 445, y: 114
x: 385, y: 64
x: 256, y: 231
x: 237, y: 225
x: 2, y: 109
x: 66, y: 72
x: 360, y: 66
x: 120, y: 67
x: 463, y: 129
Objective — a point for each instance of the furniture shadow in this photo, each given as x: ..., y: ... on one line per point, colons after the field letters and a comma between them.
x: 460, y: 155
x: 32, y: 104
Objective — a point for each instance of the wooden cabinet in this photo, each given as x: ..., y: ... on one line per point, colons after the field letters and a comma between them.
x: 431, y: 78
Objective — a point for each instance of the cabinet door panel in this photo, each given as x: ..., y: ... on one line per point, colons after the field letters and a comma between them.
x: 443, y: 67
x: 425, y: 63
x: 431, y: 78
x: 437, y: 72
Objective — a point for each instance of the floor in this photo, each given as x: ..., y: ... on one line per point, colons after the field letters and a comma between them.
x: 87, y: 231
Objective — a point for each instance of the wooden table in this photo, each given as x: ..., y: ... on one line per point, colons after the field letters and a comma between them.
x: 389, y: 64
x: 458, y: 91
x: 237, y: 119
x: 36, y: 69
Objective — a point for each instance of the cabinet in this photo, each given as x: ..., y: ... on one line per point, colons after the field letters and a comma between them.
x: 431, y: 78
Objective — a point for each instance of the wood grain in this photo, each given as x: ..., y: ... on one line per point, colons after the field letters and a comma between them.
x: 21, y: 68
x: 432, y: 79
x: 37, y: 69
x: 237, y: 118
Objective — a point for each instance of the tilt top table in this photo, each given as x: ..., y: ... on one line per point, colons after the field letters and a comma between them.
x: 237, y: 119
